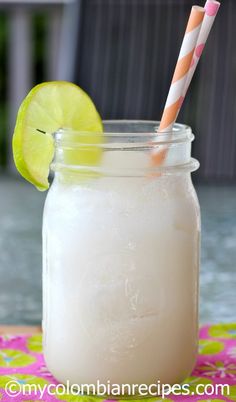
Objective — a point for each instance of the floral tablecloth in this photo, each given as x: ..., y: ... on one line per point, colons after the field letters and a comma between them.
x: 21, y: 362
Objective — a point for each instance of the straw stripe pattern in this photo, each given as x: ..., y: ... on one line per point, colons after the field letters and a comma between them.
x: 211, y: 10
x: 174, y: 99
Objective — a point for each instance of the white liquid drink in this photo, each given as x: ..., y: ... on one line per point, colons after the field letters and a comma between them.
x: 121, y: 259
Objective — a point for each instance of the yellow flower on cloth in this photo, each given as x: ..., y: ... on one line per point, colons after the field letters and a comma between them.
x: 219, y: 369
x: 15, y: 358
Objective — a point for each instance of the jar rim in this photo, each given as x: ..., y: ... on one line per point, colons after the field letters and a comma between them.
x: 123, y: 139
x: 138, y: 133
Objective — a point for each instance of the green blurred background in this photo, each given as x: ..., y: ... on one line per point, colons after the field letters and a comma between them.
x: 3, y: 88
x: 37, y: 40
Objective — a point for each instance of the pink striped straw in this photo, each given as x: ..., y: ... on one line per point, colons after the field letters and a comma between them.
x: 211, y: 10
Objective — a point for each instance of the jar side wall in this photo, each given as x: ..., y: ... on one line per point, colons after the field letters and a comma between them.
x: 122, y: 257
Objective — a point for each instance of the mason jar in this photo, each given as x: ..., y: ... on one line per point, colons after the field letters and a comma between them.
x: 121, y: 258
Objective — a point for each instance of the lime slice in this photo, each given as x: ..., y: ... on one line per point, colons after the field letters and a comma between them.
x: 47, y: 108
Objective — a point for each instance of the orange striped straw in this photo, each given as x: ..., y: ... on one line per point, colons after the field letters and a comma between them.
x: 174, y: 98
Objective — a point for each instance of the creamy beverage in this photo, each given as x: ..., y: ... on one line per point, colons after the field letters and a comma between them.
x: 121, y: 259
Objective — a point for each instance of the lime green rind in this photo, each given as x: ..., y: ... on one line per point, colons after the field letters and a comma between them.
x: 48, y: 107
x: 18, y: 149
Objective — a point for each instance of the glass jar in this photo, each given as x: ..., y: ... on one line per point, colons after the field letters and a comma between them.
x: 121, y: 259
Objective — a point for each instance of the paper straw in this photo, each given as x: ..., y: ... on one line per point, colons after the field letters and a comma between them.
x: 174, y: 99
x: 211, y: 10
x: 182, y: 68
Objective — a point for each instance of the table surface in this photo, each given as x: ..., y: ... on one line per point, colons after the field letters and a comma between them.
x: 22, y: 363
x: 21, y: 210
x: 19, y: 329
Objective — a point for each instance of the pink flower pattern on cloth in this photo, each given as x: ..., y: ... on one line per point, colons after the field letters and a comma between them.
x: 21, y: 361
